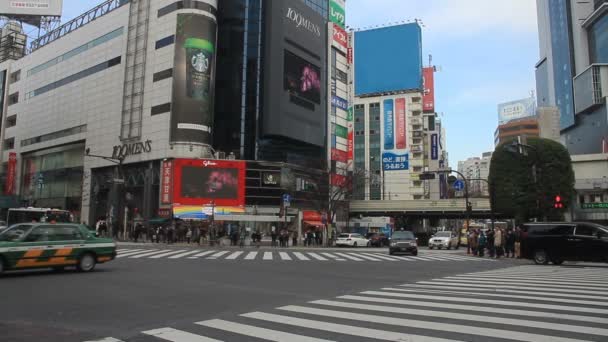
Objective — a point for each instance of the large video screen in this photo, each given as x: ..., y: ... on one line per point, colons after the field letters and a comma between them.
x: 209, y: 183
x: 302, y: 78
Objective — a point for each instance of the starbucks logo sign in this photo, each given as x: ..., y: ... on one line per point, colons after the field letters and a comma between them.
x: 200, y: 62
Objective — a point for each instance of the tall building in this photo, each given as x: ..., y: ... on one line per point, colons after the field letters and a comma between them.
x: 573, y: 37
x: 525, y: 127
x: 151, y: 106
x: 396, y: 132
x: 476, y: 168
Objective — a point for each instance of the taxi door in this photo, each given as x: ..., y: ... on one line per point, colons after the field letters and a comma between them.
x: 49, y: 246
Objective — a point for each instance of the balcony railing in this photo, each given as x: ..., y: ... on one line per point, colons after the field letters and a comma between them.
x: 590, y: 87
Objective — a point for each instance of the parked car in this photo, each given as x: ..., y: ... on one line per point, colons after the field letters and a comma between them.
x: 352, y: 240
x: 445, y: 239
x: 564, y: 241
x: 403, y: 241
x: 377, y: 239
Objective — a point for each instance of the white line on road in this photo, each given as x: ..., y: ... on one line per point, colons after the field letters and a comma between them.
x: 134, y: 252
x: 251, y: 255
x: 234, y: 255
x: 348, y: 256
x: 301, y: 256
x: 364, y: 256
x: 538, y: 280
x: 107, y: 339
x: 261, y: 333
x: 175, y: 335
x: 452, y: 328
x: 567, y: 289
x: 284, y: 256
x: 344, y: 329
x: 383, y: 257
x: 201, y: 254
x: 267, y: 256
x: 158, y: 256
x: 182, y: 255
x: 137, y: 256
x: 504, y: 311
x: 334, y: 257
x: 218, y: 254
x: 122, y: 251
x: 317, y: 256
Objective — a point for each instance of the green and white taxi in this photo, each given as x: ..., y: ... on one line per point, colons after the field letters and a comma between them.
x: 53, y: 245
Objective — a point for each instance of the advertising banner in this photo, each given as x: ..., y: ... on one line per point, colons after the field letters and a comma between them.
x: 203, y: 182
x: 395, y: 162
x: 338, y: 155
x: 338, y: 180
x: 340, y: 38
x: 51, y: 8
x: 434, y: 146
x: 166, y: 182
x: 443, y: 191
x: 401, y: 139
x: 339, y: 102
x: 349, y: 55
x: 9, y: 187
x: 302, y: 78
x: 428, y: 98
x: 342, y: 131
x: 193, y: 79
x: 337, y: 14
x: 516, y: 110
x: 351, y: 145
x: 389, y: 134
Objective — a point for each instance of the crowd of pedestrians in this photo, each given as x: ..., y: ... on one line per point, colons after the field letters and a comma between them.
x: 498, y: 242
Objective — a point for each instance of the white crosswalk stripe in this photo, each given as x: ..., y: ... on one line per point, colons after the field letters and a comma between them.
x: 286, y: 255
x: 419, y: 312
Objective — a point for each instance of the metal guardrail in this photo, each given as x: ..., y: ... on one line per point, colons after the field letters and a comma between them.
x: 77, y: 22
x: 450, y: 205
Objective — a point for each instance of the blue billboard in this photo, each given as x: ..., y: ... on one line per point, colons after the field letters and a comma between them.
x: 395, y: 162
x: 388, y: 59
x: 389, y: 133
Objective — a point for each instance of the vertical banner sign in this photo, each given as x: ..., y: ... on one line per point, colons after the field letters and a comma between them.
x: 428, y: 98
x: 389, y: 134
x: 193, y: 79
x: 166, y: 182
x: 401, y: 127
x: 9, y: 187
x: 442, y: 182
x: 340, y: 38
x: 434, y: 146
x: 337, y: 14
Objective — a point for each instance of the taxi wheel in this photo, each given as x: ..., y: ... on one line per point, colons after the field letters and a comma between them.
x: 86, y: 263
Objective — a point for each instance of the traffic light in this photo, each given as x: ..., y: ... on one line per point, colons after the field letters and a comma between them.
x: 558, y: 204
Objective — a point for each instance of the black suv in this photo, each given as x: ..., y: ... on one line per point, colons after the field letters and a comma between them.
x: 564, y: 241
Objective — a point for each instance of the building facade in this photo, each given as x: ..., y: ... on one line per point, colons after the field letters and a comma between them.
x: 526, y: 127
x: 573, y: 36
x: 126, y: 107
x: 591, y: 188
x: 476, y: 168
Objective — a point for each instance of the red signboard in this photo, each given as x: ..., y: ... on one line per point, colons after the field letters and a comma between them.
x: 164, y: 212
x: 351, y: 147
x: 9, y: 187
x: 428, y: 98
x: 338, y: 180
x: 340, y: 36
x: 401, y: 124
x: 349, y: 55
x: 204, y: 182
x: 166, y: 182
x: 338, y: 155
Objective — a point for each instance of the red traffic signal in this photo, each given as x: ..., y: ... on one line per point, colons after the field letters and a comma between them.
x: 558, y: 202
x: 558, y: 198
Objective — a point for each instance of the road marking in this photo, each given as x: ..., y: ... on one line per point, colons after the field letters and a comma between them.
x: 301, y: 256
x: 453, y: 328
x: 383, y: 257
x: 284, y: 256
x: 540, y: 314
x: 539, y: 280
x: 334, y: 257
x: 134, y: 252
x: 599, y: 287
x: 347, y: 256
x: 344, y: 329
x: 196, y: 256
x: 251, y: 255
x: 484, y: 301
x: 182, y: 255
x: 267, y: 256
x: 317, y: 256
x: 548, y: 279
x: 261, y: 333
x: 217, y: 255
x: 137, y: 256
x: 566, y: 289
x: 364, y: 256
x: 107, y: 339
x: 122, y: 251
x: 468, y: 317
x: 158, y: 256
x: 175, y: 335
x: 234, y: 255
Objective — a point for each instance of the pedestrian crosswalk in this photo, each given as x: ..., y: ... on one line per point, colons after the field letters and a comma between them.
x: 461, y: 308
x: 286, y: 255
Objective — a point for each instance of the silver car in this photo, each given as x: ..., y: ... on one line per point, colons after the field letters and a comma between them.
x: 447, y: 240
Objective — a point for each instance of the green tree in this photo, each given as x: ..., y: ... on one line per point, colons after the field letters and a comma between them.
x: 512, y: 180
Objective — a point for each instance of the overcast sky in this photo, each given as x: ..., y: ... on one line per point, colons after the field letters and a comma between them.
x: 485, y: 51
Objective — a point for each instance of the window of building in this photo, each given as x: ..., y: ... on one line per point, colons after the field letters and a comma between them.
x: 9, y: 143
x: 13, y: 98
x: 416, y: 113
x: 11, y: 121
x: 417, y: 168
x: 417, y: 183
x: 416, y: 99
x: 163, y: 108
x: 55, y: 135
x: 15, y: 77
x: 161, y: 75
x: 598, y: 40
x: 417, y: 197
x: 161, y: 43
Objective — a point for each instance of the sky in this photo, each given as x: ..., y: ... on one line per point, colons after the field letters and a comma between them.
x: 485, y: 52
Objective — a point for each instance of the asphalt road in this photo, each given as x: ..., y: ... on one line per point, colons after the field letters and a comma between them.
x: 128, y: 296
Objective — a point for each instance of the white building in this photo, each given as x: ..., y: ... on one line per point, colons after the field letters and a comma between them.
x: 476, y: 168
x: 591, y: 187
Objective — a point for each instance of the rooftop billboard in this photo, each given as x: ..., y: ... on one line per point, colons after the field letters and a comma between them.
x: 388, y: 59
x: 514, y: 110
x: 50, y: 8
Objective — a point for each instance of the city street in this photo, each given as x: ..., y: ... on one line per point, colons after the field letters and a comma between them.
x: 226, y: 298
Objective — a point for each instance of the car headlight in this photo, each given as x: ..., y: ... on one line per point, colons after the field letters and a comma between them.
x: 393, y: 243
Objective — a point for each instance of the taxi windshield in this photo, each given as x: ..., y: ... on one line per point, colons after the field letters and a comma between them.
x: 14, y: 233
